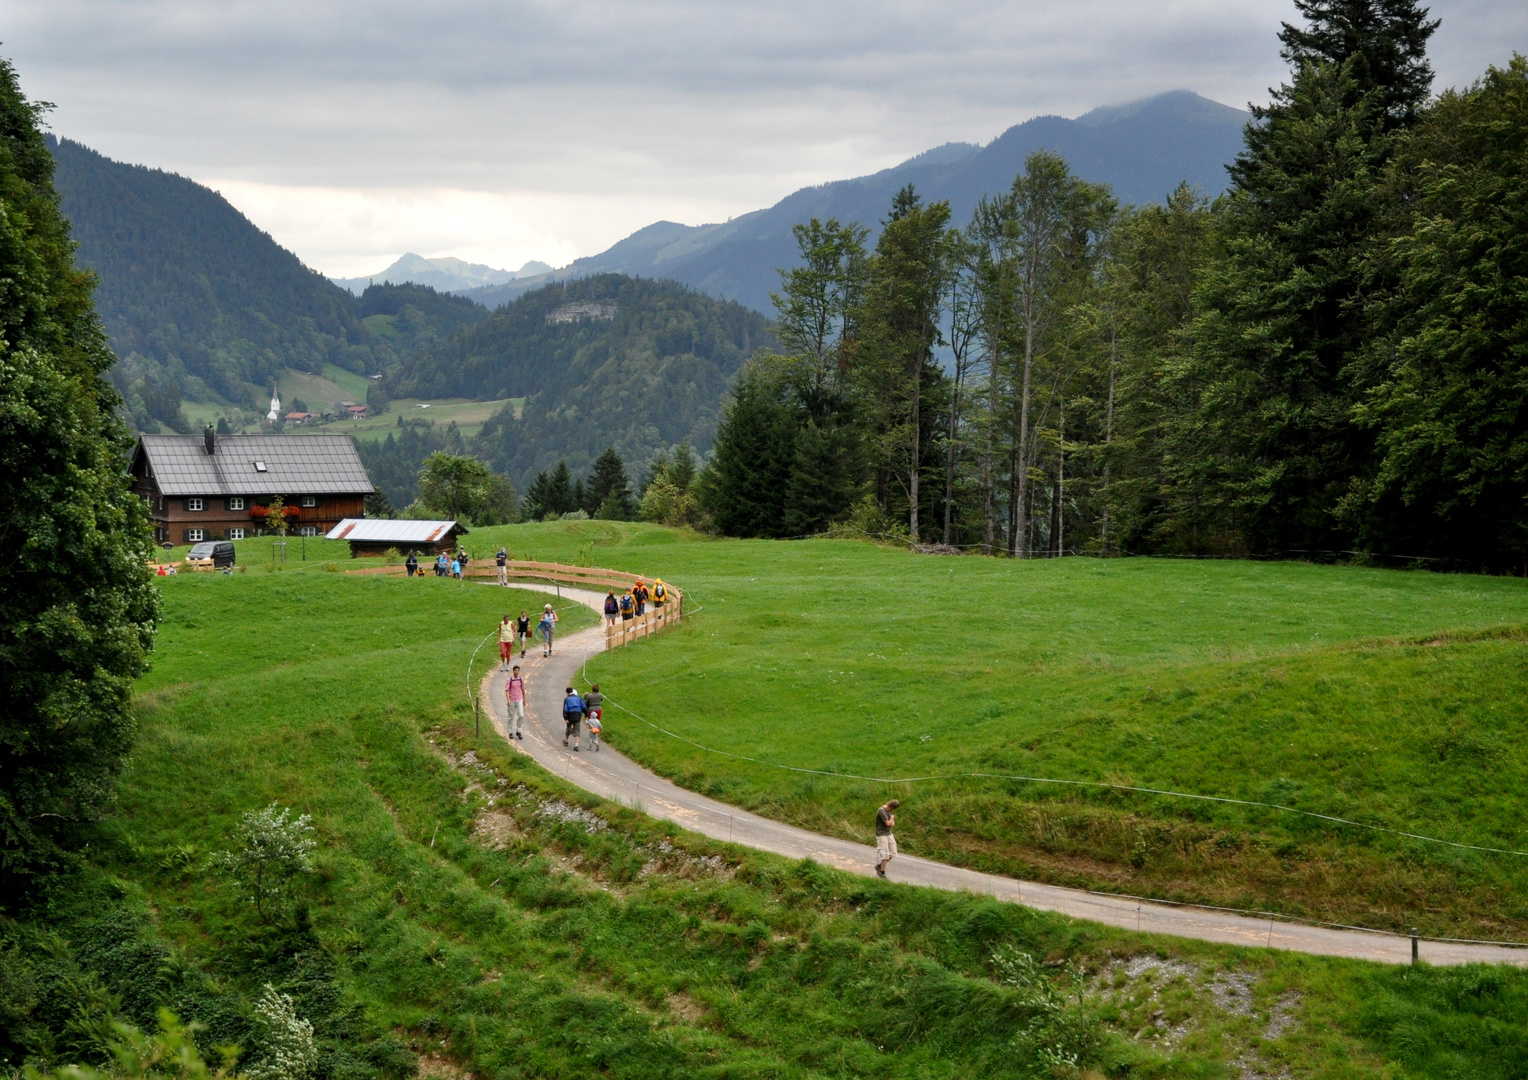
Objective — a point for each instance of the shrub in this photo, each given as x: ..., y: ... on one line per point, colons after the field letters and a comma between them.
x: 271, y: 849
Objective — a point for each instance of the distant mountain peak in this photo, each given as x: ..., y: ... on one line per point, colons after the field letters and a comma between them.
x: 445, y: 274
x: 1181, y: 104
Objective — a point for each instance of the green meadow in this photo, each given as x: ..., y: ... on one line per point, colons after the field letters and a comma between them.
x: 1390, y: 697
x: 470, y: 916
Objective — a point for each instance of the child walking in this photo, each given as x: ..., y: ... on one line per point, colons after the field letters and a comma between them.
x: 594, y: 714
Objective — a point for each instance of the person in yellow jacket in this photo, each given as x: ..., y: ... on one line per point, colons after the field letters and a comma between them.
x: 660, y: 596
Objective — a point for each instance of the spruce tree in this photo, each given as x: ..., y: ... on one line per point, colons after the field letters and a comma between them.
x: 559, y: 491
x: 77, y: 607
x: 1386, y: 40
x: 750, y: 468
x: 820, y: 489
x: 1285, y: 329
x: 608, y: 490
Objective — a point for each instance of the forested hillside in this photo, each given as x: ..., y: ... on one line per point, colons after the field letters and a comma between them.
x: 194, y: 298
x: 1328, y: 359
x: 605, y: 361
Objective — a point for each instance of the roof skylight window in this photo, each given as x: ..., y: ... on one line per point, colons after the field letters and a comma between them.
x: 259, y: 466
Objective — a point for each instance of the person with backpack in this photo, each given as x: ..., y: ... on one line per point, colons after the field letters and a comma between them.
x: 594, y: 715
x: 523, y: 630
x: 639, y: 594
x: 502, y: 561
x: 885, y: 838
x: 612, y: 608
x: 628, y: 607
x: 572, y: 713
x: 545, y: 627
x: 506, y: 643
x: 660, y: 596
x: 514, y: 696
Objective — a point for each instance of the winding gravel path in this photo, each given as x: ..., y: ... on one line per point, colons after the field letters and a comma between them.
x: 614, y: 776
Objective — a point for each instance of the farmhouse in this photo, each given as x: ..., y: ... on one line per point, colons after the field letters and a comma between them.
x: 375, y: 536
x: 215, y: 487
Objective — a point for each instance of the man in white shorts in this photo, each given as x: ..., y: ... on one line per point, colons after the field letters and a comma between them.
x: 514, y: 694
x: 885, y: 839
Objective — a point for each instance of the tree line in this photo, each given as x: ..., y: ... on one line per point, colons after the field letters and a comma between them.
x: 1329, y: 357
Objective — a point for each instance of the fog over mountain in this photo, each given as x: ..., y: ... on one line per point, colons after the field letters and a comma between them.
x: 1143, y: 150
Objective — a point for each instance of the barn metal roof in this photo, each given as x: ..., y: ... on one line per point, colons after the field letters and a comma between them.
x: 256, y: 465
x: 384, y: 531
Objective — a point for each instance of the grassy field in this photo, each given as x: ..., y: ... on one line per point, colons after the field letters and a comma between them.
x: 469, y: 916
x: 1390, y: 697
x: 469, y: 416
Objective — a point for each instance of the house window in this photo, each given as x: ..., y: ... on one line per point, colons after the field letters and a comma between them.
x: 195, y: 504
x: 236, y: 503
x: 159, y: 503
x: 310, y: 530
x: 236, y: 534
x: 195, y: 536
x: 310, y: 500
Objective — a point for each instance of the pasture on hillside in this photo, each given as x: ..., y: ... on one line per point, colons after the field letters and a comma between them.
x: 1385, y: 696
x: 469, y: 914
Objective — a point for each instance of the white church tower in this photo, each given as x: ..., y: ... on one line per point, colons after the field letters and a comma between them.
x: 275, y: 413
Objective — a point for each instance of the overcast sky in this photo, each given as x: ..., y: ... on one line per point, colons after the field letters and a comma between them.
x: 507, y: 130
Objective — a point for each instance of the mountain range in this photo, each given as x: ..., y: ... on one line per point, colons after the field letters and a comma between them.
x: 1142, y: 150
x: 445, y: 274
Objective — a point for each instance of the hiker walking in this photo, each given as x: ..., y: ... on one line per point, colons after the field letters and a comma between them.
x: 572, y: 713
x: 545, y: 627
x: 411, y: 564
x: 502, y: 560
x: 660, y: 596
x: 442, y: 565
x: 456, y: 569
x: 885, y: 839
x: 523, y: 630
x: 639, y: 594
x: 506, y: 643
x: 594, y: 715
x: 514, y: 697
x: 628, y: 607
x: 612, y: 608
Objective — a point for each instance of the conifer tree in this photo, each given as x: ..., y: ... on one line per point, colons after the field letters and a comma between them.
x: 608, y: 490
x: 746, y: 481
x: 77, y: 610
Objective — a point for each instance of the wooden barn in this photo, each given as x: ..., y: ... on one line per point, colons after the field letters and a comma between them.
x: 375, y: 536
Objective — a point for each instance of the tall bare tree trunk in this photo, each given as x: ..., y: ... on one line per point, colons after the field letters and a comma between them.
x: 1103, y: 527
x: 1019, y: 543
x: 1058, y: 543
x: 917, y: 453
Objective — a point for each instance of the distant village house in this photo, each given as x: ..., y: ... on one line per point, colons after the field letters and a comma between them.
x: 376, y: 536
x: 216, y: 487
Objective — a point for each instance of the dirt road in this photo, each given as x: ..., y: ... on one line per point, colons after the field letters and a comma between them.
x: 614, y: 776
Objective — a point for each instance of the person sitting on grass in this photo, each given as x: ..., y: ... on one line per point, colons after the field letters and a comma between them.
x: 572, y: 713
x: 594, y: 714
x: 885, y: 839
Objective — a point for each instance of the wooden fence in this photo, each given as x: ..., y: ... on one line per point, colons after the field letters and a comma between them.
x: 595, y: 579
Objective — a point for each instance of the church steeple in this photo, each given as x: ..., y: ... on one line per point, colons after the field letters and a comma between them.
x: 275, y: 413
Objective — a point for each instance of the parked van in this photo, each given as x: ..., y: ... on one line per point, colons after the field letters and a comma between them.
x: 213, y: 555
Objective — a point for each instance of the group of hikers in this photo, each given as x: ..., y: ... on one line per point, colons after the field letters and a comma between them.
x: 446, y: 565
x: 633, y: 601
x: 578, y: 711
x: 517, y: 631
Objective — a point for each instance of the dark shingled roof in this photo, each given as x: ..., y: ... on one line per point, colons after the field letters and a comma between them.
x: 294, y: 465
